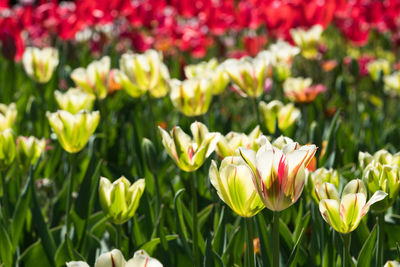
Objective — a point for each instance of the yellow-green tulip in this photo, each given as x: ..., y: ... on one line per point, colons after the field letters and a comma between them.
x: 376, y: 67
x: 308, y: 40
x: 8, y: 115
x: 189, y: 154
x: 276, y: 113
x: 345, y: 213
x: 73, y: 130
x: 317, y: 178
x: 74, y: 100
x: 120, y: 200
x: 40, y: 64
x: 29, y: 149
x: 7, y: 148
x: 234, y: 184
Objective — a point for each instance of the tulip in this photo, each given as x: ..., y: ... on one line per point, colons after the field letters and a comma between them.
x: 40, y: 64
x: 300, y: 89
x: 392, y: 82
x: 193, y: 96
x: 234, y: 185
x: 248, y: 75
x: 116, y: 259
x: 308, y: 40
x: 189, y: 154
x: 382, y: 177
x: 344, y: 214
x: 73, y: 130
x: 276, y: 113
x: 29, y: 149
x: 8, y: 115
x: 93, y: 79
x: 392, y: 264
x: 144, y: 72
x: 379, y: 67
x: 74, y: 100
x: 279, y: 175
x: 228, y: 144
x: 210, y: 69
x: 142, y: 259
x: 281, y: 141
x: 7, y: 148
x: 284, y: 52
x: 119, y: 200
x: 317, y: 178
x: 114, y: 82
x: 382, y: 156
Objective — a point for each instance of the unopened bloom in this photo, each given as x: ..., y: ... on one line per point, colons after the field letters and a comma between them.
x: 378, y: 67
x: 279, y: 175
x: 8, y: 115
x: 216, y: 73
x: 382, y: 177
x: 234, y: 185
x: 248, y: 75
x: 228, y: 144
x: 193, y: 96
x: 381, y: 156
x: 120, y: 200
x: 301, y: 89
x: 144, y: 72
x: 189, y: 154
x: 7, y: 148
x: 345, y: 213
x: 40, y: 64
x: 74, y: 100
x: 93, y: 79
x: 29, y: 149
x: 276, y: 113
x: 73, y: 130
x: 317, y: 178
x: 308, y: 40
x: 116, y: 259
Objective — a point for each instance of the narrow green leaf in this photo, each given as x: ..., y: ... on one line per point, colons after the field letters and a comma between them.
x: 264, y: 236
x: 286, y: 234
x: 366, y: 253
x: 180, y: 222
x: 293, y: 255
x: 150, y: 246
x: 5, y: 247
x: 203, y: 214
x: 217, y: 242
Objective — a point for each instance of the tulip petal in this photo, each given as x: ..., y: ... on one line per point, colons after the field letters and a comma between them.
x: 353, y: 187
x: 329, y: 209
x: 350, y: 210
x: 378, y: 196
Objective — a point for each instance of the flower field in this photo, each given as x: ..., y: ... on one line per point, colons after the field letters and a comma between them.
x: 199, y: 133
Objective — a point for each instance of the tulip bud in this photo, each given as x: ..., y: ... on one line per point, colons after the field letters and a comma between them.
x: 279, y: 175
x: 150, y: 154
x: 120, y: 199
x: 192, y: 97
x: 379, y: 67
x: 7, y: 148
x: 392, y: 264
x: 73, y: 130
x: 234, y: 185
x: 319, y: 177
x: 29, y: 149
x: 227, y: 145
x: 276, y: 113
x: 248, y: 74
x: 40, y: 64
x: 344, y: 214
x: 142, y: 259
x: 364, y: 158
x: 8, y: 115
x: 93, y: 79
x: 216, y: 73
x: 74, y: 100
x: 281, y: 141
x: 392, y: 82
x: 111, y: 259
x: 382, y: 177
x: 189, y: 154
x: 308, y: 40
x: 144, y: 72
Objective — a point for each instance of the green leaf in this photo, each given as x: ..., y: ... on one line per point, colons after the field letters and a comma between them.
x: 5, y: 247
x: 286, y: 234
x: 203, y: 214
x: 150, y: 246
x: 217, y: 242
x: 330, y: 138
x: 366, y: 253
x: 265, y: 237
x: 180, y: 222
x: 34, y: 254
x: 293, y: 255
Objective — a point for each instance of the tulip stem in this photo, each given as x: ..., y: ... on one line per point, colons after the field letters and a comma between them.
x: 275, y: 239
x: 119, y: 235
x: 379, y: 245
x: 69, y: 192
x: 5, y: 194
x: 249, y: 243
x: 255, y: 109
x: 346, y: 250
x: 195, y: 222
